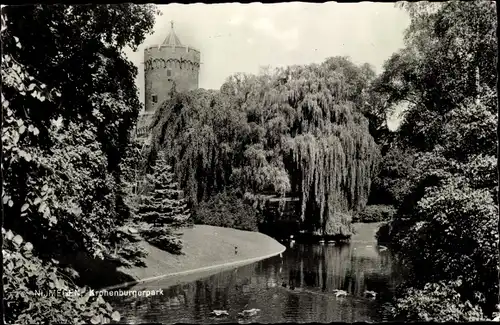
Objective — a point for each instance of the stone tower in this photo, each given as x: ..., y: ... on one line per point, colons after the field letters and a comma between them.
x: 165, y: 64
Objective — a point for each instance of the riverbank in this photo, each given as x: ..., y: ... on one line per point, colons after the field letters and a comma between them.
x: 205, y: 248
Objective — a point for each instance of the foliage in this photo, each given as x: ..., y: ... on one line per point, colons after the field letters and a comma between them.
x: 464, y: 33
x: 443, y: 170
x: 392, y: 181
x: 61, y: 187
x: 437, y: 302
x: 300, y: 129
x: 34, y: 289
x: 78, y: 50
x: 470, y: 129
x: 50, y: 210
x: 133, y: 170
x: 375, y: 213
x: 451, y: 243
x: 163, y: 210
x: 227, y: 209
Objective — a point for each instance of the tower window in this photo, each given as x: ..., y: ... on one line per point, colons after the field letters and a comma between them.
x: 154, y: 99
x: 169, y: 72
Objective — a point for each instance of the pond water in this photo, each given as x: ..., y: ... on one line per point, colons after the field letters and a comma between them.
x: 296, y: 287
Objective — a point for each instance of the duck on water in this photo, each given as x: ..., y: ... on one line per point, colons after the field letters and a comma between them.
x: 244, y: 314
x: 340, y: 293
x: 371, y: 294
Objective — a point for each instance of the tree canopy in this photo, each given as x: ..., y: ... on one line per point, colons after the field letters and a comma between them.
x: 61, y: 188
x: 442, y: 170
x: 77, y: 50
x: 299, y: 129
x: 449, y: 57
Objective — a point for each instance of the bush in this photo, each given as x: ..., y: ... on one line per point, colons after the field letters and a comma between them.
x: 437, y: 302
x: 375, y: 213
x: 228, y: 210
x: 31, y: 284
x: 451, y: 232
x: 457, y: 237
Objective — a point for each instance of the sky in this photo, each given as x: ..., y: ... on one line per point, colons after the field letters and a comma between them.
x: 244, y: 37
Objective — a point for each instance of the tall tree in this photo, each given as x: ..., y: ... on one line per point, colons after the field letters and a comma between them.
x: 45, y: 170
x: 78, y: 51
x: 463, y: 36
x: 164, y: 210
x: 446, y: 229
x: 298, y: 129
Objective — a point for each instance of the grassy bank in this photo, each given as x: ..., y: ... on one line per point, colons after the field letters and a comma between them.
x: 205, y: 246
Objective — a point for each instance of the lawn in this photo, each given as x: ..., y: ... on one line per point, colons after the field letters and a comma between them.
x: 205, y: 247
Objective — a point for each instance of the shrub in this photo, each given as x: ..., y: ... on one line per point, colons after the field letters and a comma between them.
x: 451, y: 233
x: 227, y: 209
x: 30, y: 287
x: 458, y: 236
x: 436, y: 302
x: 375, y: 213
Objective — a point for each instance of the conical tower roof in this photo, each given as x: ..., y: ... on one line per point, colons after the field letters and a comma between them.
x: 172, y: 39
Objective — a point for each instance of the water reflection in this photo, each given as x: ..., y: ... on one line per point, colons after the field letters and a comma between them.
x: 295, y: 288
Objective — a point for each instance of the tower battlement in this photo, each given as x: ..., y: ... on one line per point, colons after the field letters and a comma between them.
x: 151, y: 48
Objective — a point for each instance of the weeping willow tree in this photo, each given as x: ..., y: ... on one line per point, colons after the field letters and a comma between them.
x: 200, y: 134
x: 299, y: 129
x: 332, y: 155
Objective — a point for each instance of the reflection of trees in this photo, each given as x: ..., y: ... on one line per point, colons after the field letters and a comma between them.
x: 386, y: 261
x: 326, y: 267
x: 317, y: 270
x: 148, y: 309
x: 198, y: 298
x: 291, y: 305
x: 323, y: 268
x: 338, y: 261
x: 336, y: 267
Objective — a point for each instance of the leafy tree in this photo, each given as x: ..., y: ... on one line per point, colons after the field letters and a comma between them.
x: 447, y: 223
x: 60, y: 188
x: 446, y: 227
x: 470, y: 130
x: 300, y: 129
x: 78, y: 50
x: 70, y: 199
x: 76, y: 53
x: 463, y: 34
x: 164, y: 210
